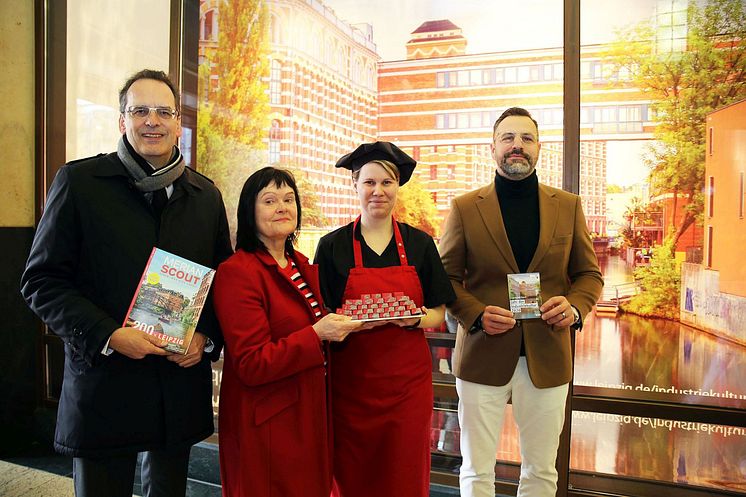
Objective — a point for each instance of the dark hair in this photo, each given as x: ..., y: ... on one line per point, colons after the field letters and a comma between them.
x: 147, y: 74
x: 515, y: 111
x: 246, y: 236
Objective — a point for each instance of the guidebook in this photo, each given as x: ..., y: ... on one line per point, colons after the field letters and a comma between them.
x: 524, y: 291
x: 169, y: 299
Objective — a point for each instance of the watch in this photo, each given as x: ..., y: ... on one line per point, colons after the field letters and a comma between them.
x: 577, y: 324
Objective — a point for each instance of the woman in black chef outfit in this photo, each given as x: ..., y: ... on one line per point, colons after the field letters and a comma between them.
x: 381, y: 378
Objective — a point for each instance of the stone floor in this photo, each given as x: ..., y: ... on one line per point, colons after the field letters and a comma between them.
x: 42, y: 473
x: 23, y: 481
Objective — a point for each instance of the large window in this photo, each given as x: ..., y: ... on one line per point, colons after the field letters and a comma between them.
x: 659, y: 394
x: 652, y: 358
x: 100, y: 56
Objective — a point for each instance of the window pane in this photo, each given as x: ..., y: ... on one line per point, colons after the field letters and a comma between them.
x: 100, y: 57
x: 660, y: 450
x: 664, y: 329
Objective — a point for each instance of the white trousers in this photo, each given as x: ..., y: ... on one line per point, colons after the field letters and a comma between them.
x: 539, y: 414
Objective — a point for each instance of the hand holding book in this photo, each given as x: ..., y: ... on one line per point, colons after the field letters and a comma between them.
x: 193, y: 354
x: 135, y: 344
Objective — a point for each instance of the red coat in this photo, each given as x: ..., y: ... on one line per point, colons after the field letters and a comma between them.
x: 273, y: 424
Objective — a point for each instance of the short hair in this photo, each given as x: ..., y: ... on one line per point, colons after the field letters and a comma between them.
x: 388, y: 166
x: 148, y: 74
x: 246, y: 235
x: 515, y: 111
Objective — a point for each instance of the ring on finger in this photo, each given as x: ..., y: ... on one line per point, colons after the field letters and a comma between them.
x: 564, y: 316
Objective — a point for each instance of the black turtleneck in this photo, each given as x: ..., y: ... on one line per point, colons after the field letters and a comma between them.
x: 519, y: 203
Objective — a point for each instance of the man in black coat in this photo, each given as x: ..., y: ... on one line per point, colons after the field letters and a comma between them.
x: 122, y: 393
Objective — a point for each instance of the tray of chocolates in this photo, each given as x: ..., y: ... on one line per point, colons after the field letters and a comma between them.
x: 380, y: 307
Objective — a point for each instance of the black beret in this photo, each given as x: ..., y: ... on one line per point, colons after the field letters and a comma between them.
x: 368, y: 152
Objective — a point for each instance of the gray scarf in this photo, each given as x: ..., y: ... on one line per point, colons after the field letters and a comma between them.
x: 160, y: 178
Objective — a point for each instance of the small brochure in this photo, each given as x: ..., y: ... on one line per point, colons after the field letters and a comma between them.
x: 524, y: 291
x: 169, y: 299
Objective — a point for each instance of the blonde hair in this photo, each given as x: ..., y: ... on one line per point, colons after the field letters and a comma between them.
x: 388, y: 166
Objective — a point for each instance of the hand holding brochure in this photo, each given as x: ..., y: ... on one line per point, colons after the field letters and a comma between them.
x: 169, y: 299
x: 524, y: 291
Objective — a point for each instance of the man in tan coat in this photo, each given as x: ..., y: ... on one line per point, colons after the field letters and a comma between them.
x: 516, y: 225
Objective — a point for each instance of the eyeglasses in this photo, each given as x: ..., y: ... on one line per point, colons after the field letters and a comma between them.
x: 142, y: 112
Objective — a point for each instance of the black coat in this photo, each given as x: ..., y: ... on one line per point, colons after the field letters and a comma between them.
x: 90, y: 249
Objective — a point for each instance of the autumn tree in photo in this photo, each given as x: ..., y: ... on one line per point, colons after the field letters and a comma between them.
x: 684, y: 85
x: 233, y: 105
x: 415, y: 206
x: 309, y: 200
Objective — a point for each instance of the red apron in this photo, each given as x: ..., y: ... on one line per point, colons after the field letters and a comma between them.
x: 382, y: 394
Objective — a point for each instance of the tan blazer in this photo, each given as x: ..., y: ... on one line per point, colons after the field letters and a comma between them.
x: 477, y: 257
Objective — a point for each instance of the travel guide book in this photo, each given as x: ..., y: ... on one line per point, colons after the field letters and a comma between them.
x: 169, y: 299
x: 524, y: 291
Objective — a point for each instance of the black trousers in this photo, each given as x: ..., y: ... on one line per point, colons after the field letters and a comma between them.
x: 163, y: 472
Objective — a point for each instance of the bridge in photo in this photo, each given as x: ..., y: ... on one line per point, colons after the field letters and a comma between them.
x: 613, y: 295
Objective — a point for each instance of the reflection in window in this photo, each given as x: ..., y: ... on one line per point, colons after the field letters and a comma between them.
x: 445, y: 435
x: 662, y: 450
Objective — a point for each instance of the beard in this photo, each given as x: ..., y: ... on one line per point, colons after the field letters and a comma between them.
x: 515, y: 169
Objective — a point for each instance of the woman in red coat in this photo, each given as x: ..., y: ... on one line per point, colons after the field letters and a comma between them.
x: 381, y: 378
x: 273, y: 423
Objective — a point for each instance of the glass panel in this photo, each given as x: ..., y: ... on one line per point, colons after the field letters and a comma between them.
x: 661, y: 450
x: 101, y: 55
x: 442, y: 363
x: 445, y: 433
x: 663, y: 329
x: 657, y: 359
